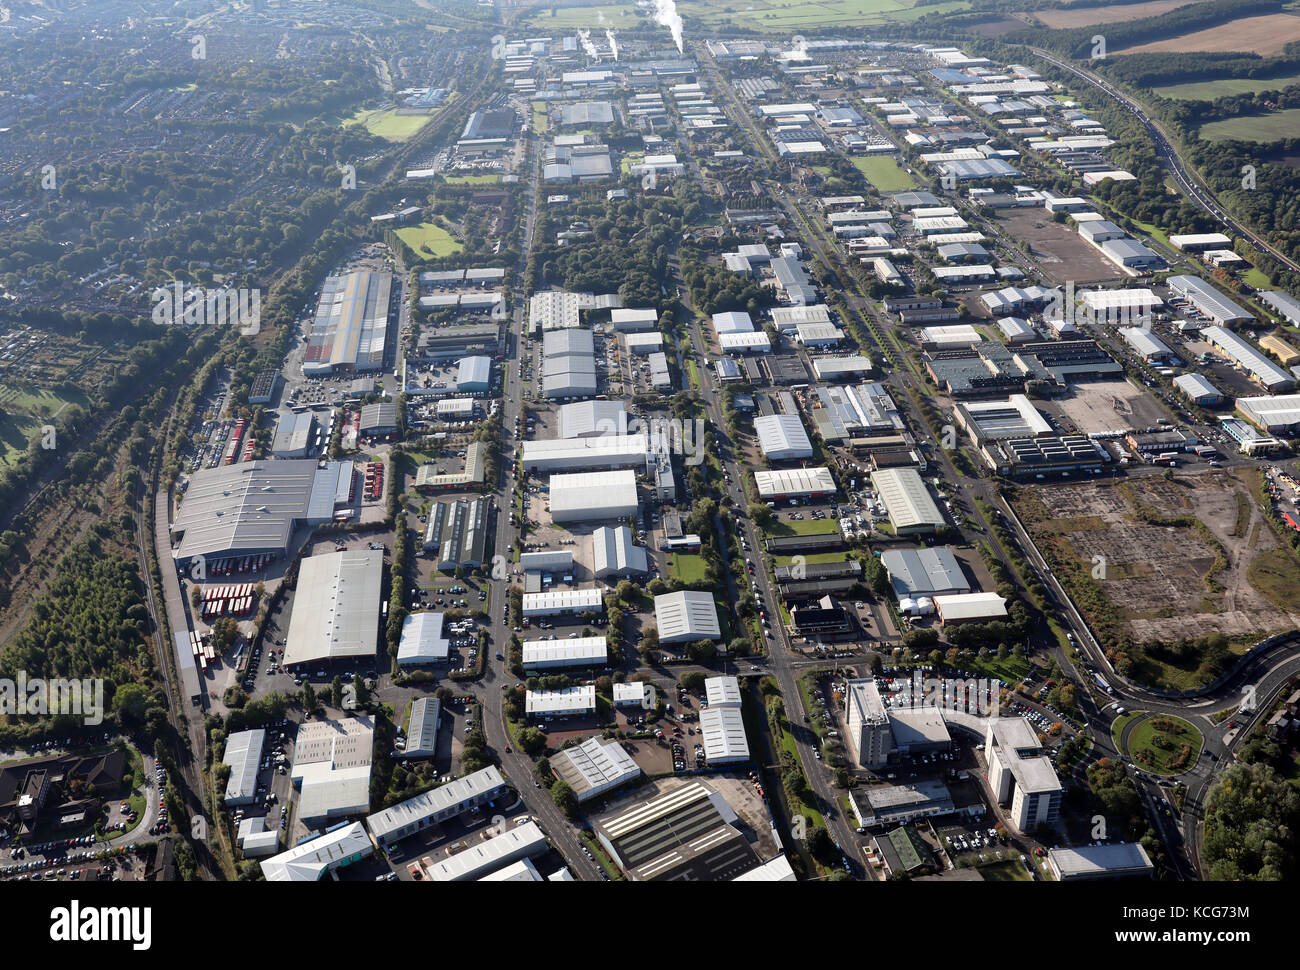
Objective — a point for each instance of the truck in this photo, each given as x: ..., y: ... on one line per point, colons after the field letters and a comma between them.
x: 1101, y: 682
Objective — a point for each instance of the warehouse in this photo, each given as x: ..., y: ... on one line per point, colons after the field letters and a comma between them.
x: 428, y: 479
x: 351, y: 324
x: 255, y: 839
x: 723, y: 733
x: 686, y: 616
x: 331, y: 769
x: 576, y: 379
x: 567, y: 343
x: 404, y: 819
x: 295, y: 435
x: 474, y: 374
x: 457, y: 530
x: 1043, y: 455
x: 311, y: 861
x: 520, y: 842
x: 883, y: 806
x: 660, y: 377
x: 1198, y: 389
x: 862, y: 409
x: 571, y: 454
x: 244, y: 756
x: 422, y: 729
x: 907, y: 501
x: 1016, y: 330
x: 581, y: 652
x: 455, y: 409
x: 956, y: 335
x: 1273, y: 415
x: 1283, y: 304
x: 625, y: 320
x: 615, y: 554
x: 594, y: 767
x: 584, y: 114
x: 1147, y: 345
x: 745, y: 343
x: 1208, y: 300
x: 1129, y: 254
x: 683, y: 834
x: 444, y: 343
x: 586, y: 419
x: 818, y: 334
x: 1120, y: 306
x: 1199, y: 242
x: 593, y: 496
x: 1245, y: 356
x: 381, y: 418
x: 422, y: 640
x: 1118, y: 860
x: 970, y: 608
x: 788, y: 318
x: 722, y: 691
x: 782, y: 437
x: 567, y: 702
x: 841, y: 368
x: 550, y: 560
x: 253, y: 507
x: 933, y: 571
x: 336, y: 608
x: 564, y: 601
x: 1286, y: 355
x: 732, y: 322
x: 521, y: 871
x: 643, y: 343
x: 794, y: 483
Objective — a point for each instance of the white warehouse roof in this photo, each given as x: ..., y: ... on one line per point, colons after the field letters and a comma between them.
x: 723, y: 729
x: 336, y: 608
x: 244, y: 755
x: 312, y: 860
x: 794, y: 481
x: 782, y: 436
x: 722, y: 691
x: 569, y: 700
x: 906, y: 499
x: 422, y: 640
x: 593, y: 495
x: 686, y: 616
x: 581, y: 652
x: 594, y: 767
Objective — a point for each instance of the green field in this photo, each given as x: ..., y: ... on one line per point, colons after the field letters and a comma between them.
x: 429, y: 239
x: 1009, y: 871
x: 1142, y: 740
x: 768, y: 16
x: 540, y: 120
x: 1262, y: 128
x: 810, y: 560
x: 472, y: 179
x: 388, y: 123
x: 1209, y: 90
x: 803, y: 527
x: 884, y: 173
x: 689, y: 567
x: 24, y: 408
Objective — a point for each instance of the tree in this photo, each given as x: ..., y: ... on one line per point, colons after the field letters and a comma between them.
x: 531, y: 740
x: 336, y: 692
x: 564, y: 799
x: 702, y: 651
x: 309, y: 699
x: 130, y: 702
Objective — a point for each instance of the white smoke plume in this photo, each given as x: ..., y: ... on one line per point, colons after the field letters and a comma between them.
x: 667, y: 15
x: 585, y: 37
x: 613, y: 44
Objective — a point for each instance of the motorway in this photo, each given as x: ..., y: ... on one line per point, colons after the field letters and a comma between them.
x: 1187, y: 181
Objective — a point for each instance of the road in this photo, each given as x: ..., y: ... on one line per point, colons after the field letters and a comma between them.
x: 1192, y: 186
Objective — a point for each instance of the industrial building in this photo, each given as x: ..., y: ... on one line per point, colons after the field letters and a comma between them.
x: 549, y: 560
x: 244, y: 756
x: 255, y: 839
x: 457, y: 531
x: 566, y: 702
x: 316, y: 858
x: 1020, y: 774
x: 782, y: 437
x: 1283, y: 304
x: 1044, y: 455
x: 643, y: 343
x: 1208, y: 300
x: 956, y: 608
x: 593, y: 496
x: 907, y: 501
x: 686, y: 833
x: 732, y: 322
x: 686, y: 616
x: 794, y: 483
x: 351, y: 325
x: 723, y: 732
x: 627, y: 320
x: 520, y: 842
x: 594, y: 767
x: 1016, y: 417
x: 564, y: 601
x: 422, y: 640
x: 1148, y: 346
x: 336, y: 608
x: 1245, y: 356
x: 1115, y: 860
x: 295, y: 436
x: 1278, y: 415
x: 422, y: 728
x: 473, y: 375
x: 884, y: 806
x: 581, y: 652
x: 331, y: 769
x: 841, y: 368
x: 930, y: 571
x: 253, y: 507
x: 390, y: 826
x: 614, y: 554
x: 1198, y: 389
x: 586, y: 419
x: 595, y: 451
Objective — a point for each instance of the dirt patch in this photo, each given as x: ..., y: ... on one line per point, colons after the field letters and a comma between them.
x: 1188, y: 578
x: 1059, y: 252
x: 999, y: 28
x: 1115, y: 13
x: 1096, y: 407
x: 1260, y: 35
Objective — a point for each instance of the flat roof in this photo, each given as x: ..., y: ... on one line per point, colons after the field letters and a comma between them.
x: 579, y: 651
x: 568, y: 700
x: 244, y: 755
x: 970, y: 606
x: 723, y: 730
x: 336, y: 607
x: 794, y: 481
x: 435, y: 801
x: 1106, y: 860
x: 925, y: 571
